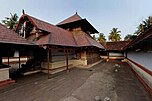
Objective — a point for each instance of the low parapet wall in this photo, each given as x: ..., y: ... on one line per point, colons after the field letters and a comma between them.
x: 143, y: 74
x: 61, y: 65
x: 4, y: 74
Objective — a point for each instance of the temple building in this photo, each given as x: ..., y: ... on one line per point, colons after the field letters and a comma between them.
x: 81, y: 30
x: 63, y: 46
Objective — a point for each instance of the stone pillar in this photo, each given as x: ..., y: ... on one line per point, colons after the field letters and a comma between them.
x: 84, y: 57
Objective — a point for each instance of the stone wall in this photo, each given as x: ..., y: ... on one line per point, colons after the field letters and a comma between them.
x: 4, y: 74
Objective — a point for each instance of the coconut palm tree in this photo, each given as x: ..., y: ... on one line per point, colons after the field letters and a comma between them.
x: 140, y: 29
x: 114, y: 35
x: 129, y: 37
x: 143, y: 26
x: 147, y: 22
x: 11, y: 22
x: 101, y: 37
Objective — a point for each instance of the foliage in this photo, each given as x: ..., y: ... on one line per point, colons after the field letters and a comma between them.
x: 114, y: 35
x: 144, y: 26
x: 101, y: 37
x: 129, y: 37
x: 11, y: 22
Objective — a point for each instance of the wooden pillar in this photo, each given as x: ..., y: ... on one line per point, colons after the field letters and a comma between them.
x: 92, y: 56
x: 107, y: 56
x: 19, y: 59
x: 8, y: 58
x: 48, y: 61
x: 0, y: 59
x: 125, y: 53
x: 67, y: 67
x: 27, y: 54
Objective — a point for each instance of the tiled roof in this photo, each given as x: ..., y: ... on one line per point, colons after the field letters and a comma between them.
x: 56, y: 36
x: 84, y: 39
x: 9, y: 36
x: 60, y: 36
x: 94, y: 42
x: 117, y: 45
x: 76, y: 21
x: 63, y: 38
x: 73, y: 18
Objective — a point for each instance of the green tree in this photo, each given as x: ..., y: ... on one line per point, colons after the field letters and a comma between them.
x: 147, y: 22
x: 101, y: 37
x: 11, y: 22
x: 128, y: 37
x: 143, y: 26
x: 114, y: 35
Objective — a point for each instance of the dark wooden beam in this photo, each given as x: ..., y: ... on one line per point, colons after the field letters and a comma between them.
x: 0, y: 59
x: 8, y: 57
x: 19, y: 59
x: 91, y: 55
x: 107, y: 55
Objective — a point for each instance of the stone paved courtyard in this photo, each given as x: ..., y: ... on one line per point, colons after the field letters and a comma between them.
x: 103, y: 80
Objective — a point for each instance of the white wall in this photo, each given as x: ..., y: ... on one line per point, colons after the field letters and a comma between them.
x: 115, y: 54
x: 144, y: 75
x: 142, y: 58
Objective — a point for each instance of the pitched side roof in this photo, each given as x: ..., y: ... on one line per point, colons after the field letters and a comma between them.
x: 83, y: 39
x: 9, y: 36
x: 94, y: 42
x: 63, y: 39
x: 57, y: 36
x: 117, y: 45
x: 72, y: 18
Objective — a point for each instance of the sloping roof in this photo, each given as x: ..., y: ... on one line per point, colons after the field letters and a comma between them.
x: 117, y: 45
x: 72, y: 18
x: 85, y: 40
x: 9, y: 36
x: 76, y: 21
x: 62, y: 39
x: 94, y: 42
x: 57, y: 36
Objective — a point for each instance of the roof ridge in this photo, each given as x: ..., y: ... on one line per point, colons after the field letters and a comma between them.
x: 70, y: 19
x: 38, y: 19
x: 34, y: 18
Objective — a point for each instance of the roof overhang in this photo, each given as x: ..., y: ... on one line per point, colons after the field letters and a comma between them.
x: 84, y: 24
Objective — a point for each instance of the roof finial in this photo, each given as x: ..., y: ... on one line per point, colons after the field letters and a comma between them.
x: 23, y: 11
x: 76, y: 12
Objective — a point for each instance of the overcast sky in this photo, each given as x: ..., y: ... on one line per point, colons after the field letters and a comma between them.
x: 102, y: 14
